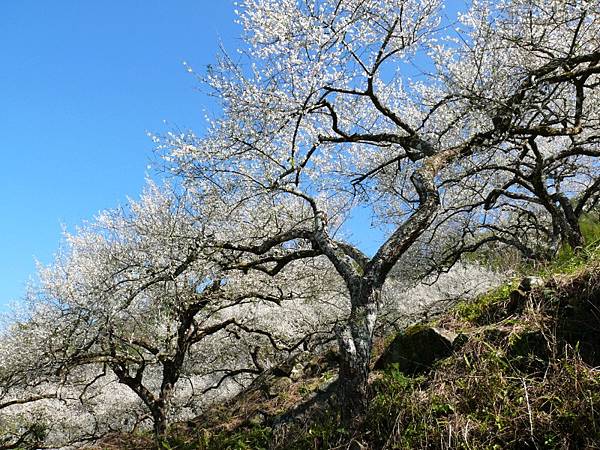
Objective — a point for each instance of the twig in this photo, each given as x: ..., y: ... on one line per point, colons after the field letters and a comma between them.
x: 529, y: 412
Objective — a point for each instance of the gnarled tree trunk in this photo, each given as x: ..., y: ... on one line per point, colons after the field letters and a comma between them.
x: 356, y: 342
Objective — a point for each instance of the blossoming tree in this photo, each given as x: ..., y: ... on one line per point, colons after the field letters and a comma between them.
x: 140, y: 296
x: 378, y: 105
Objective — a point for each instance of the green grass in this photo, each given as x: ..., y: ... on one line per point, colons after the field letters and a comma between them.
x: 474, y: 310
x: 567, y: 261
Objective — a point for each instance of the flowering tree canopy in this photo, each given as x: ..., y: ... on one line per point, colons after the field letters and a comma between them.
x: 141, y: 297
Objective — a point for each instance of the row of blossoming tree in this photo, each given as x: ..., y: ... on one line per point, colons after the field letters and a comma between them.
x: 453, y: 134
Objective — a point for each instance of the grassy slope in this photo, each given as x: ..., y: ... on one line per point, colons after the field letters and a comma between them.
x: 525, y: 377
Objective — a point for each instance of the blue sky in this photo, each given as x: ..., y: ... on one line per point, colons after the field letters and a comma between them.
x: 81, y: 82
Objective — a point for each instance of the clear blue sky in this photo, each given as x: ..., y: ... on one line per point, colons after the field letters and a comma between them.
x: 81, y: 82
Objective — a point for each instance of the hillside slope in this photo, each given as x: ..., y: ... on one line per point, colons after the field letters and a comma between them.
x: 522, y: 373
